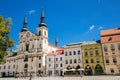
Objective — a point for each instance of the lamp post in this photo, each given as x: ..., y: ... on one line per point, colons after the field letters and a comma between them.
x: 80, y: 67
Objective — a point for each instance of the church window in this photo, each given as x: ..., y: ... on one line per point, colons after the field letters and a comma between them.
x: 40, y: 46
x: 39, y: 57
x: 39, y: 33
x: 39, y: 65
x: 27, y: 47
x: 45, y: 33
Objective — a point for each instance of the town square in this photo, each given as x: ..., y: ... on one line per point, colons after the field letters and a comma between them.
x: 60, y: 40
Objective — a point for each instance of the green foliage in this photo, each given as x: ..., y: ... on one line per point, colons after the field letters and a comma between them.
x: 5, y: 41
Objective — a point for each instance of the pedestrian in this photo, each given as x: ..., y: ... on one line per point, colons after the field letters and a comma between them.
x: 30, y: 77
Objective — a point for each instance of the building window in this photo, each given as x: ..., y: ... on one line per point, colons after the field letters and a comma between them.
x: 96, y: 52
x: 105, y: 48
x: 70, y: 53
x: 65, y: 53
x: 74, y: 52
x: 92, y: 61
x: 60, y: 58
x: 13, y: 66
x: 9, y: 67
x: 112, y: 47
x: 56, y: 59
x: 107, y: 60
x: 119, y: 46
x: 86, y: 53
x: 39, y: 33
x: 91, y: 53
x: 39, y: 57
x: 61, y: 65
x: 32, y: 46
x: 40, y: 46
x: 114, y: 60
x: 31, y: 58
x: 49, y: 59
x: 56, y: 65
x: 97, y: 60
x: 86, y: 61
x: 39, y: 65
x: 75, y: 61
x: 4, y: 67
x: 112, y: 70
x: 49, y: 65
x: 45, y: 33
x: 66, y: 61
x: 27, y: 47
x: 70, y: 61
x: 78, y: 52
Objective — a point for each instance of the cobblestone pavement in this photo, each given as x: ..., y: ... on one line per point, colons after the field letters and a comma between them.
x: 69, y: 78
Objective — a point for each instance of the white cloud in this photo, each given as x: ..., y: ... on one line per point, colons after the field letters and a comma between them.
x: 92, y: 27
x: 31, y: 11
x: 100, y: 27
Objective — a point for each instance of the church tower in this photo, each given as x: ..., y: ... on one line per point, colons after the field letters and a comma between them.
x: 42, y: 32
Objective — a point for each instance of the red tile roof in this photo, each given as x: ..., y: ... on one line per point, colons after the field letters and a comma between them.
x: 112, y: 35
x: 57, y: 52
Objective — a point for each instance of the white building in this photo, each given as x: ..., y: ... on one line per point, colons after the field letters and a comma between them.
x: 32, y: 49
x: 54, y: 63
x: 72, y: 57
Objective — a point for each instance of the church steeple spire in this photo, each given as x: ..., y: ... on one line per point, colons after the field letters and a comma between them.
x: 42, y: 19
x: 56, y: 42
x: 24, y: 24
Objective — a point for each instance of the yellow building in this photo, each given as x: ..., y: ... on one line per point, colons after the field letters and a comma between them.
x: 92, y: 58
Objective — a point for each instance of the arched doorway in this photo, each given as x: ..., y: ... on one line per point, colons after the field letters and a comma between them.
x: 98, y: 69
x: 25, y: 69
x: 88, y: 70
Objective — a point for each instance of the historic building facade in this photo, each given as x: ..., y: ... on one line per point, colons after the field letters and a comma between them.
x: 54, y: 63
x: 92, y: 58
x: 111, y: 50
x: 32, y: 49
x: 72, y: 58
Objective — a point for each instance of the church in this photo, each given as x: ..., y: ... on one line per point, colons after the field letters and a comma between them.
x: 31, y: 54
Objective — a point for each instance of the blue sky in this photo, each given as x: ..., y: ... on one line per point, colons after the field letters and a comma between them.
x: 69, y: 20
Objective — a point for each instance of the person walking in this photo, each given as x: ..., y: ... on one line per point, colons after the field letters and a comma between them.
x: 30, y: 77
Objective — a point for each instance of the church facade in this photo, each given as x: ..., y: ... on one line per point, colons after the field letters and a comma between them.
x: 32, y: 49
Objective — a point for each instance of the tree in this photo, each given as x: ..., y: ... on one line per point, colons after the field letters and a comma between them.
x: 5, y: 41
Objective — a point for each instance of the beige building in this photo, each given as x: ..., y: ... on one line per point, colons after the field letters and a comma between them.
x: 111, y: 50
x: 54, y: 63
x: 32, y: 49
x: 72, y: 57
